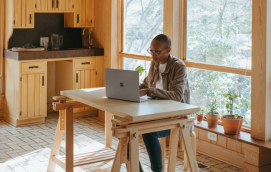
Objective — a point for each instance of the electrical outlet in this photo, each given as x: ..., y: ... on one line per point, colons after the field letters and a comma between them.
x: 43, y: 39
x: 212, y: 136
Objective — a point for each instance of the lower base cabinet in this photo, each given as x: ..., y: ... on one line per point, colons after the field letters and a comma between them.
x: 29, y: 85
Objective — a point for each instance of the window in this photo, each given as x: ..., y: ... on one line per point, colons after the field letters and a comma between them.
x: 131, y: 64
x: 218, y: 46
x: 219, y: 34
x: 207, y: 86
x: 143, y: 19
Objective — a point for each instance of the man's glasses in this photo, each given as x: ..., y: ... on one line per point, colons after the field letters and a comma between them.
x: 155, y: 52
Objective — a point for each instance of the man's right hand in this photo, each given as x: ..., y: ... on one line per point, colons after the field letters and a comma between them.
x: 143, y: 92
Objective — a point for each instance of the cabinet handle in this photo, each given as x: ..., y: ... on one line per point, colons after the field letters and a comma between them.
x: 77, y: 18
x: 84, y: 63
x: 42, y: 83
x: 33, y: 67
x: 76, y: 77
x: 56, y: 3
x: 30, y: 18
x: 53, y: 3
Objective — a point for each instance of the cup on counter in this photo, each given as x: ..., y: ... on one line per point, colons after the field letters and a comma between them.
x: 45, y: 45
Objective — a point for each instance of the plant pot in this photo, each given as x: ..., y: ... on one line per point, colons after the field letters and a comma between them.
x: 232, y: 126
x: 212, y: 120
x: 199, y: 118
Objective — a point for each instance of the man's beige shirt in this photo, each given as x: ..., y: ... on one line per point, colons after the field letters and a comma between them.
x: 175, y: 83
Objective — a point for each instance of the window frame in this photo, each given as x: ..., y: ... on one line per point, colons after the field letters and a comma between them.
x: 182, y: 20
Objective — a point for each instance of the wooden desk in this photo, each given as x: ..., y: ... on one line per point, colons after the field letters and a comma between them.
x: 135, y: 119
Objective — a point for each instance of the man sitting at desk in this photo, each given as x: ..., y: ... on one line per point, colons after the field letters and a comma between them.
x: 167, y: 79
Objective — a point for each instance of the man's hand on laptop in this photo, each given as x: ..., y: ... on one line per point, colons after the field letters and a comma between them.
x: 143, y: 92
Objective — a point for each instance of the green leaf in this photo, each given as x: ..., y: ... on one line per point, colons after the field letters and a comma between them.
x: 225, y: 95
x: 227, y: 105
x: 230, y: 98
x: 140, y: 69
x: 236, y: 116
x: 246, y: 105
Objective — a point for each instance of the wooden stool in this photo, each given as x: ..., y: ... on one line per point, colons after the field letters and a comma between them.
x: 163, y: 149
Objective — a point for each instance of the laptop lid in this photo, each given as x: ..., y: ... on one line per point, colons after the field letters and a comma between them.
x: 122, y: 84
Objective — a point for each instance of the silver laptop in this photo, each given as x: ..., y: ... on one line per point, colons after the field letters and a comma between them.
x: 123, y: 85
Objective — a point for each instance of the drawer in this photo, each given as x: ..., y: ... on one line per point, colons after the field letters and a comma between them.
x: 33, y: 67
x: 85, y: 63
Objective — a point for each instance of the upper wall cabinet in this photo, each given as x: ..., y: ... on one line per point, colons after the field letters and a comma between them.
x: 54, y: 6
x: 83, y: 15
x: 23, y: 14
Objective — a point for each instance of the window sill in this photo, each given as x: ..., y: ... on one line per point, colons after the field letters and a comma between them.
x: 243, y: 136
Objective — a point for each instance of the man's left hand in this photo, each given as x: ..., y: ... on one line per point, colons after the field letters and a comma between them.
x: 143, y: 92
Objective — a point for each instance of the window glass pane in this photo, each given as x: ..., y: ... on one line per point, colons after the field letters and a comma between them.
x: 207, y: 85
x: 132, y: 64
x: 219, y: 32
x: 143, y: 19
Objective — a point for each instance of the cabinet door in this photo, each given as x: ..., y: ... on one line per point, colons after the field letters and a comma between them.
x: 23, y: 13
x: 89, y: 13
x: 17, y: 10
x: 84, y: 79
x: 29, y: 13
x: 42, y: 5
x: 68, y: 5
x: 33, y: 96
x: 51, y: 5
x: 77, y: 13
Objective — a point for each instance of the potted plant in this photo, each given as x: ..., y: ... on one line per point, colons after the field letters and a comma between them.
x: 212, y: 116
x: 232, y: 123
x: 200, y: 115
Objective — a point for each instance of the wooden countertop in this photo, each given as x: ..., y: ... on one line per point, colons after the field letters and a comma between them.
x: 53, y: 54
x: 243, y: 136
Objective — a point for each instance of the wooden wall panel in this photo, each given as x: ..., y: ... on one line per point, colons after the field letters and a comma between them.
x: 111, y: 49
x: 99, y: 28
x: 261, y: 72
x: 220, y: 153
x: 171, y: 24
x: 203, y: 135
x: 222, y: 141
x: 234, y: 145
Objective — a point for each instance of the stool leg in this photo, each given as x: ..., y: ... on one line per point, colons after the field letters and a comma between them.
x: 194, y: 142
x: 163, y: 149
x: 189, y: 150
x: 108, y: 132
x: 118, y: 157
x: 57, y: 143
x: 128, y: 166
x: 185, y: 161
x: 173, y: 145
x: 133, y: 151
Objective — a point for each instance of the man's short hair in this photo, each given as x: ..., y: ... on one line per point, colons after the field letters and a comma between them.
x: 164, y: 39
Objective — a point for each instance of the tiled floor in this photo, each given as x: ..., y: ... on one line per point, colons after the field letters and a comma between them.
x: 28, y: 148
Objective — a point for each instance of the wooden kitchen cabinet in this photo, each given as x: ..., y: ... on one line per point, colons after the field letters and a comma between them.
x: 54, y: 5
x: 83, y: 15
x: 30, y: 84
x: 23, y: 11
x: 87, y: 74
x: 26, y: 90
x: 33, y: 93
